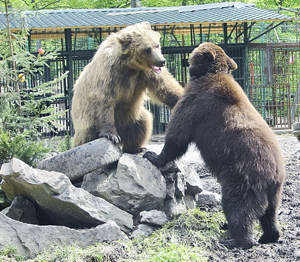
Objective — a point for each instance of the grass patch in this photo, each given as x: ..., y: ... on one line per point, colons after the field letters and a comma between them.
x: 184, y: 239
x: 9, y: 254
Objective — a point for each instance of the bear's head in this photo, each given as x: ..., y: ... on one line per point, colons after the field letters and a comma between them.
x: 140, y: 46
x: 210, y: 58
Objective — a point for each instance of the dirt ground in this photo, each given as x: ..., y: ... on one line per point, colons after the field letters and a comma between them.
x: 288, y: 247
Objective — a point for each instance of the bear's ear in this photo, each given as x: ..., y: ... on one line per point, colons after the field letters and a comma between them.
x: 125, y: 40
x: 146, y: 25
x: 203, y: 55
x: 231, y: 64
x: 208, y: 54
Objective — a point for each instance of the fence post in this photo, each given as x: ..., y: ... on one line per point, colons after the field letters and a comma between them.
x: 295, y: 104
x: 70, y: 82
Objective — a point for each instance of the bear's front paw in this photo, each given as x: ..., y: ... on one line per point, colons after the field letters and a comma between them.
x: 113, y: 138
x: 153, y: 158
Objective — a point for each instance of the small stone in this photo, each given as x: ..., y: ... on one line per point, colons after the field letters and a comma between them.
x: 207, y: 198
x: 297, y: 254
x: 142, y: 230
x: 190, y: 201
x: 180, y: 185
x: 192, y: 182
x: 154, y: 217
x: 174, y: 207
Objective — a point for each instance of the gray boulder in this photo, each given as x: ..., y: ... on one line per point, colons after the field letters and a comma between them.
x: 154, y: 217
x: 135, y: 185
x: 142, y: 230
x: 208, y: 199
x: 29, y: 240
x: 22, y: 209
x: 180, y: 185
x: 193, y: 183
x: 81, y: 160
x: 190, y: 201
x: 175, y: 207
x: 58, y: 199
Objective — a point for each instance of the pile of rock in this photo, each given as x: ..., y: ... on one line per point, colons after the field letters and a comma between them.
x: 92, y: 193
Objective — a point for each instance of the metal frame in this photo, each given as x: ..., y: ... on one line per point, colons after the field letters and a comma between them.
x: 235, y: 38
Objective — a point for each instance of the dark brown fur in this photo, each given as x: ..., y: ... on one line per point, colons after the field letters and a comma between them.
x: 235, y: 142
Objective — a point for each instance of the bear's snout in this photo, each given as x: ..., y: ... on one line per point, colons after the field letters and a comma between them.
x: 161, y: 63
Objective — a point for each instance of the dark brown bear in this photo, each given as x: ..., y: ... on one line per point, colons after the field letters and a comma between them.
x: 235, y: 142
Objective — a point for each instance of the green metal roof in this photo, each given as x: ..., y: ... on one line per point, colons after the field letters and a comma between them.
x: 228, y: 12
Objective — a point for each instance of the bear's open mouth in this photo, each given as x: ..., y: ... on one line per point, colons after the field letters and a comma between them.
x: 156, y: 69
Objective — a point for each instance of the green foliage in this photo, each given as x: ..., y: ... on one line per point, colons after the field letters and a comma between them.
x: 20, y: 146
x: 66, y: 144
x: 26, y: 100
x: 175, y: 253
x: 71, y: 254
x: 9, y: 255
x: 200, y: 221
x: 277, y: 3
x: 65, y: 4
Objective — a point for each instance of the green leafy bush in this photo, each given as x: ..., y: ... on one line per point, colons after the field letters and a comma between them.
x: 26, y: 101
x: 20, y: 146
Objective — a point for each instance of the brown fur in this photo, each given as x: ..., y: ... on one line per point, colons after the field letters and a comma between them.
x: 109, y: 95
x: 235, y: 142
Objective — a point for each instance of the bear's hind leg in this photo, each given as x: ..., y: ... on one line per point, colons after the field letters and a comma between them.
x: 135, y: 134
x: 240, y: 226
x: 269, y: 220
x: 241, y: 207
x: 84, y: 136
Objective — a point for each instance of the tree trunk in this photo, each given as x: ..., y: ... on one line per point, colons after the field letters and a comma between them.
x: 135, y: 3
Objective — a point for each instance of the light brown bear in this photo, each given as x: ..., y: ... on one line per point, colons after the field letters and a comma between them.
x: 235, y: 142
x: 109, y: 94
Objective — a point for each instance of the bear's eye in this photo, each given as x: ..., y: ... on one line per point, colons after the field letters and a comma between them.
x: 148, y: 50
x: 157, y: 46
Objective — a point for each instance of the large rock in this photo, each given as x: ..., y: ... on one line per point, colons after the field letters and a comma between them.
x: 29, y: 240
x: 58, y: 199
x: 135, y: 185
x: 81, y: 160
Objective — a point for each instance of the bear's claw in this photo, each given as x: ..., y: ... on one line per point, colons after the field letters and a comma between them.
x: 113, y: 138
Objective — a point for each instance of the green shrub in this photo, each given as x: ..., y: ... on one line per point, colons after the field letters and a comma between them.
x: 9, y: 255
x: 20, y: 146
x: 66, y: 144
x: 26, y: 100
